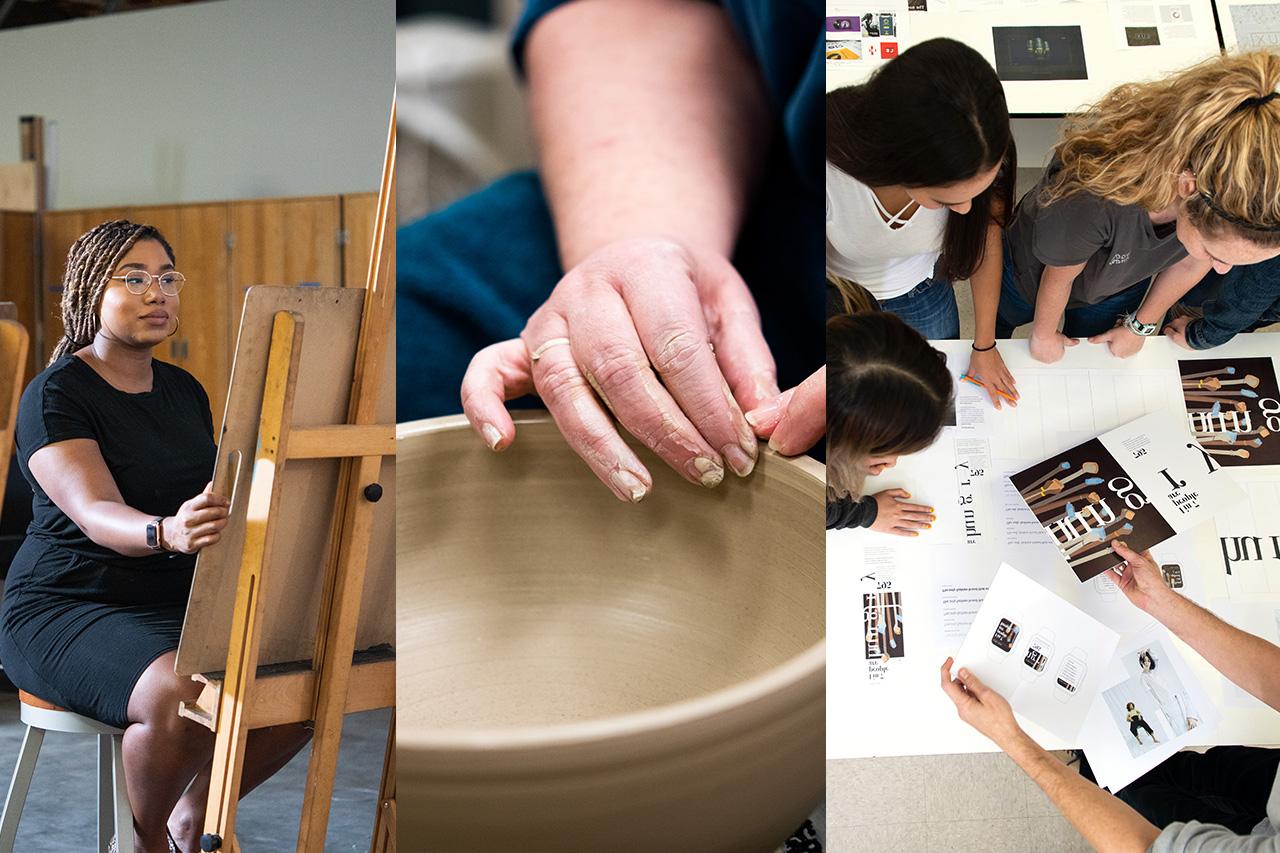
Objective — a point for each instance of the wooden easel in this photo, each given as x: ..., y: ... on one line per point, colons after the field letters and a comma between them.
x: 290, y: 651
x: 13, y: 364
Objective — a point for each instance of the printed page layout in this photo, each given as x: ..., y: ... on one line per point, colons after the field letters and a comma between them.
x: 937, y: 582
x: 1142, y: 483
x: 1150, y: 706
x: 1044, y: 656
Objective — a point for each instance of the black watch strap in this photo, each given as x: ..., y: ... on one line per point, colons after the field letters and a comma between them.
x: 153, y: 533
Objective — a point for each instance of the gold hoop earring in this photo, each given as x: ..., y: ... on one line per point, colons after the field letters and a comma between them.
x: 175, y: 326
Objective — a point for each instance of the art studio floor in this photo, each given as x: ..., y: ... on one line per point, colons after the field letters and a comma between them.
x: 60, y: 812
x: 952, y: 803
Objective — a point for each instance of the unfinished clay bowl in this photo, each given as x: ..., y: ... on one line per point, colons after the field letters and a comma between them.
x: 578, y: 674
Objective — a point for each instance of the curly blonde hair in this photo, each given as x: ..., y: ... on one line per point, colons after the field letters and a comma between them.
x: 1219, y: 119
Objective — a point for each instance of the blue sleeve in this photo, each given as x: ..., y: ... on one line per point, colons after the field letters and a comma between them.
x: 1244, y: 300
x: 533, y: 12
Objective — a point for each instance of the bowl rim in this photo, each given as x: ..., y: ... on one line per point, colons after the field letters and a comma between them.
x: 754, y: 690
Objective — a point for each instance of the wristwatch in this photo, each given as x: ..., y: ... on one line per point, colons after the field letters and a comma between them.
x: 155, y: 538
x: 1139, y: 328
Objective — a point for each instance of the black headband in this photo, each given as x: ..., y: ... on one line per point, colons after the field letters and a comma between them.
x: 1256, y: 102
x: 1232, y: 218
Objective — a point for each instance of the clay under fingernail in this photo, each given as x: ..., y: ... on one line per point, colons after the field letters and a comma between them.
x: 766, y: 385
x: 710, y: 472
x: 629, y: 484
x: 491, y: 436
x: 738, y: 460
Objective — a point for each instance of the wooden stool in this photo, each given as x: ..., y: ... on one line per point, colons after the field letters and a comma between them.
x: 114, y: 814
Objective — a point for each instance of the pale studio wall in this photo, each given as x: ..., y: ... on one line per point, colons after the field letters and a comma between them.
x: 235, y: 99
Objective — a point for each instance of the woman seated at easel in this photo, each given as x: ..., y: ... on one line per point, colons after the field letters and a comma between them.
x: 118, y: 448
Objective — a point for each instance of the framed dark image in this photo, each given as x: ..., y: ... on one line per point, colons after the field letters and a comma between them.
x: 1039, y: 53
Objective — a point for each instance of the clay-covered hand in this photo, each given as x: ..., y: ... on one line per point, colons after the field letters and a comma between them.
x: 1122, y: 342
x: 198, y: 524
x: 980, y: 706
x: 665, y: 337
x: 894, y: 515
x: 1176, y: 331
x: 794, y: 420
x: 1141, y: 580
x: 989, y: 366
x: 1050, y: 347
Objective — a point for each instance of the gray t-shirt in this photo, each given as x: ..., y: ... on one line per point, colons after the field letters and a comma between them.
x: 1118, y: 244
x: 1196, y: 837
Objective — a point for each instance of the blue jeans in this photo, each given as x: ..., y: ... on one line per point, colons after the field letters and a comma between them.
x: 1239, y: 300
x: 929, y: 308
x: 1082, y: 322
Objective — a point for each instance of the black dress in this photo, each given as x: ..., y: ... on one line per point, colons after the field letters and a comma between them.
x: 79, y: 622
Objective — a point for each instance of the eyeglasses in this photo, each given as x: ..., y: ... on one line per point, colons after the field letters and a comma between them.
x: 138, y: 282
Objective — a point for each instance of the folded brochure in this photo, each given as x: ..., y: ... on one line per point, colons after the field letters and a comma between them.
x: 1142, y: 483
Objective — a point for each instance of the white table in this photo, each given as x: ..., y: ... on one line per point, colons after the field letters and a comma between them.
x: 898, y: 708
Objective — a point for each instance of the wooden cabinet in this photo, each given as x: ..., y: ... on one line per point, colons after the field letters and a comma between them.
x: 358, y: 212
x: 18, y: 273
x: 291, y: 242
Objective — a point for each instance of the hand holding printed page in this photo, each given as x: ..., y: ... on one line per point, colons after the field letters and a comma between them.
x: 1040, y: 653
x: 1142, y: 482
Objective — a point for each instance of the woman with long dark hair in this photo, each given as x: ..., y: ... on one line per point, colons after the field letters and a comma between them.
x: 888, y: 393
x: 920, y: 176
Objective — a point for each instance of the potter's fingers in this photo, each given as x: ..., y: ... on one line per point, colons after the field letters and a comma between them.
x: 913, y: 523
x: 903, y: 531
x: 805, y: 418
x: 587, y: 427
x: 677, y: 341
x: 734, y: 322
x: 915, y: 510
x: 614, y: 363
x: 765, y: 417
x: 497, y: 373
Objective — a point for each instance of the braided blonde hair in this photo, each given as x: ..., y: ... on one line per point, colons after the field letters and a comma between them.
x: 90, y: 262
x: 1214, y: 118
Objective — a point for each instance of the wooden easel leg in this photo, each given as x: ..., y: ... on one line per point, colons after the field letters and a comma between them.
x: 384, y: 824
x: 337, y: 638
x: 242, y: 655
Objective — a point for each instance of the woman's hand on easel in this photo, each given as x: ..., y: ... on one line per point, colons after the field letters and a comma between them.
x: 198, y: 523
x: 894, y: 515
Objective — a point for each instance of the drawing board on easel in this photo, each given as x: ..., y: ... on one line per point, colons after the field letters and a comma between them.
x: 293, y: 597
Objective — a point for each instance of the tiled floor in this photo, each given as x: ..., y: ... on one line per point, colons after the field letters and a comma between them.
x: 60, y: 813
x: 952, y: 803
